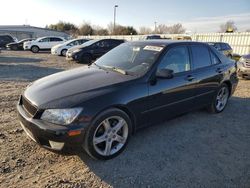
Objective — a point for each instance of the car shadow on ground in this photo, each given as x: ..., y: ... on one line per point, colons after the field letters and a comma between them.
x: 193, y: 150
x: 11, y: 59
x: 25, y: 72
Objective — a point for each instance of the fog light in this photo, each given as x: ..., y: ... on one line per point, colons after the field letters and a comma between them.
x: 56, y: 145
x: 74, y: 133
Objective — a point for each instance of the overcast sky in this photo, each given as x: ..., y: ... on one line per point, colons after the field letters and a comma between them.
x: 195, y: 15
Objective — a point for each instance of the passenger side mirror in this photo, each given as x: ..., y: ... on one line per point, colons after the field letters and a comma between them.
x: 165, y: 73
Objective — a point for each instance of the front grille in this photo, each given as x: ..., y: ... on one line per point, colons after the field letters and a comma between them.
x: 28, y: 107
x: 247, y: 64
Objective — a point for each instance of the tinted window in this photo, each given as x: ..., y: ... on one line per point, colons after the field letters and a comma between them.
x: 103, y: 44
x: 54, y: 39
x: 44, y: 40
x: 200, y: 56
x: 176, y: 59
x: 224, y: 46
x: 214, y: 58
x: 217, y: 46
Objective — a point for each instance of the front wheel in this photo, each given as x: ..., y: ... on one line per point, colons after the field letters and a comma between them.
x: 108, y: 135
x: 220, y: 100
x: 35, y: 49
x: 63, y: 52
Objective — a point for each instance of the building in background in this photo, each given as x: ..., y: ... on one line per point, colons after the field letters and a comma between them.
x: 27, y: 31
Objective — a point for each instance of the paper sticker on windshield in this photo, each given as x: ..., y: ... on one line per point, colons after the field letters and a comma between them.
x: 153, y: 48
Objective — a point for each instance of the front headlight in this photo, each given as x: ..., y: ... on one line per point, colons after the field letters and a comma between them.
x: 61, y: 116
x: 242, y: 60
x: 77, y: 50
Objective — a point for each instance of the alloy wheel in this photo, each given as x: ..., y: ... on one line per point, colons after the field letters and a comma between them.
x: 110, y: 136
x: 222, y: 98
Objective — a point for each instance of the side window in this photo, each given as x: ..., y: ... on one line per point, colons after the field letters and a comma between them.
x: 102, y: 44
x: 115, y: 43
x: 176, y: 59
x: 223, y: 46
x: 215, y: 60
x: 200, y: 56
x: 54, y: 39
x: 44, y: 40
x: 217, y: 46
x: 228, y: 47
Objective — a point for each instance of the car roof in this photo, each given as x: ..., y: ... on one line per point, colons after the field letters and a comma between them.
x: 163, y: 42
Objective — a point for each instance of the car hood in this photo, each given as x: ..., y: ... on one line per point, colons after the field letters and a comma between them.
x: 77, y: 47
x: 58, y: 46
x: 86, y: 82
x: 11, y: 43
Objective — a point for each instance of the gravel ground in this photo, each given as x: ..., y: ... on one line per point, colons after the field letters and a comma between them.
x: 194, y: 150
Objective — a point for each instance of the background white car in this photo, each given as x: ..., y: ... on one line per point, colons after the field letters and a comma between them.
x: 43, y: 43
x: 61, y: 49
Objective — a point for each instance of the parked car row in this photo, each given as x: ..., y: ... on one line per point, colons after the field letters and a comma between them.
x: 86, y: 50
x: 91, y: 50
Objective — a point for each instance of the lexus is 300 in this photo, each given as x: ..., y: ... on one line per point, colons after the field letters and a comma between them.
x: 137, y: 84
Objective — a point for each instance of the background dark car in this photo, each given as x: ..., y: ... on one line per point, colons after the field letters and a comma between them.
x: 137, y: 84
x: 5, y: 39
x: 92, y: 50
x: 18, y: 45
x: 150, y: 37
x: 223, y: 47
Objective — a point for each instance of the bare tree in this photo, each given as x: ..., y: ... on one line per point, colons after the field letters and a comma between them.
x: 229, y: 26
x: 86, y: 29
x: 176, y: 29
x: 145, y: 30
x: 98, y: 30
x: 162, y: 29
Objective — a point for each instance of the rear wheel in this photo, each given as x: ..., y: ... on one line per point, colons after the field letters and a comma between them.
x: 35, y: 49
x: 108, y: 135
x: 220, y: 100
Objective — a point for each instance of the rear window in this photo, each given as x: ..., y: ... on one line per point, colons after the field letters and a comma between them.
x: 200, y: 56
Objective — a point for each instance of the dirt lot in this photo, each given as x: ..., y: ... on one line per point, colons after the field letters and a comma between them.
x: 195, y: 150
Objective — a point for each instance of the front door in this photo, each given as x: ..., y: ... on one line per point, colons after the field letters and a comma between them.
x: 170, y: 97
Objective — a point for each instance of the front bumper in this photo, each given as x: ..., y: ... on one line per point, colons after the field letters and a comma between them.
x: 51, y: 136
x: 72, y: 57
x: 26, y: 47
x: 243, y: 71
x: 54, y: 52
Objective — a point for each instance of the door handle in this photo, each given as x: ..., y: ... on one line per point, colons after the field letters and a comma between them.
x: 190, y: 78
x: 219, y: 70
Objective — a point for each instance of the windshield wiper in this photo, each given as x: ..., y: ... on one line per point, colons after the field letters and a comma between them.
x: 116, y: 69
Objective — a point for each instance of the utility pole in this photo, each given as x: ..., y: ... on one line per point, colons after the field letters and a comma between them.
x: 155, y: 27
x: 116, y: 6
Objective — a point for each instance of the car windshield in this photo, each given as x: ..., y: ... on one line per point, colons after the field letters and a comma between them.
x: 130, y: 58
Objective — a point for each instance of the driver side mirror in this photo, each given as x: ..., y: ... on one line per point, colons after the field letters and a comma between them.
x: 165, y: 73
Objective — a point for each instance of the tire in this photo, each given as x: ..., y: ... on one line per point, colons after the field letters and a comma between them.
x: 86, y: 59
x: 111, y: 129
x: 35, y: 49
x: 220, y: 100
x: 63, y: 52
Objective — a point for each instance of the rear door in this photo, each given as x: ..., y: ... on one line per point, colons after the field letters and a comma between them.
x: 208, y: 72
x: 54, y: 41
x: 100, y: 48
x: 170, y: 97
